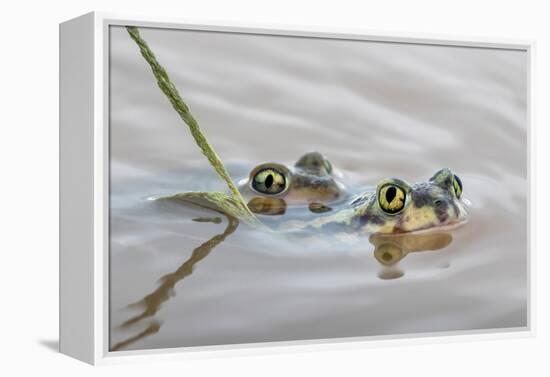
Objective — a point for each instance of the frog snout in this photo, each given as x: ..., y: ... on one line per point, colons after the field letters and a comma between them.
x: 440, y: 203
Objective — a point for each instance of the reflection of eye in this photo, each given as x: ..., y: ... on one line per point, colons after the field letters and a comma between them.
x: 328, y: 166
x: 267, y: 206
x: 388, y: 253
x: 457, y: 185
x: 269, y: 181
x: 391, y: 198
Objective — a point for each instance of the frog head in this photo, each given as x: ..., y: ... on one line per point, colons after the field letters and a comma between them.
x: 272, y: 184
x: 398, y: 206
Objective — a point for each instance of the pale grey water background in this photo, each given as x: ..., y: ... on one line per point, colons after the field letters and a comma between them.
x: 376, y: 110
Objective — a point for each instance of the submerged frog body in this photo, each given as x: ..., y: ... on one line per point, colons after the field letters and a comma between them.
x: 398, y: 207
x: 311, y: 182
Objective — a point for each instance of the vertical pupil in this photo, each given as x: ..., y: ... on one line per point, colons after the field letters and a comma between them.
x: 458, y: 181
x: 390, y: 194
x: 269, y: 181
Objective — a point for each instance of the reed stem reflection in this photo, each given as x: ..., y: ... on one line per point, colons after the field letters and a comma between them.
x: 153, y: 301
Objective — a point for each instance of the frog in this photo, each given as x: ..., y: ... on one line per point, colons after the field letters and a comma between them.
x: 393, y: 207
x: 311, y: 182
x: 396, y: 206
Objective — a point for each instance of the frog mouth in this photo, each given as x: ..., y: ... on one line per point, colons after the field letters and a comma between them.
x: 433, y: 227
x: 447, y: 226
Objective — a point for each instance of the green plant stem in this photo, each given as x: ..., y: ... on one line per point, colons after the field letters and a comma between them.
x: 182, y: 109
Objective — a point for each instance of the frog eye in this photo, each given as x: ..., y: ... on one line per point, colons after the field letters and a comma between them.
x: 391, y: 198
x: 457, y: 185
x: 270, y: 179
x: 328, y: 166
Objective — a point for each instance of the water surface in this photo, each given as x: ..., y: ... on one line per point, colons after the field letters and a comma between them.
x: 375, y: 110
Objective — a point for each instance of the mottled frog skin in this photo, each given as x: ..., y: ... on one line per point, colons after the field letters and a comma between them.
x: 399, y: 207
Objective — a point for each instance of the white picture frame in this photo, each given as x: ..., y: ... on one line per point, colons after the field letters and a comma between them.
x: 84, y: 190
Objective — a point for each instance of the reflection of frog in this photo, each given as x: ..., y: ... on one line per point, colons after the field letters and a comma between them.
x: 311, y: 181
x: 389, y: 249
x: 395, y: 206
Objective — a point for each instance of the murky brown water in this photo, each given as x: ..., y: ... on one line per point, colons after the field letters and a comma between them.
x: 376, y: 110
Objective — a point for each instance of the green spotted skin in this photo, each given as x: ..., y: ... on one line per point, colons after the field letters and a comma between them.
x: 428, y: 205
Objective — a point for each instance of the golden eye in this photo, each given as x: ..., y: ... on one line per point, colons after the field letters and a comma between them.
x: 457, y: 185
x: 328, y: 166
x: 269, y: 181
x: 391, y: 198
